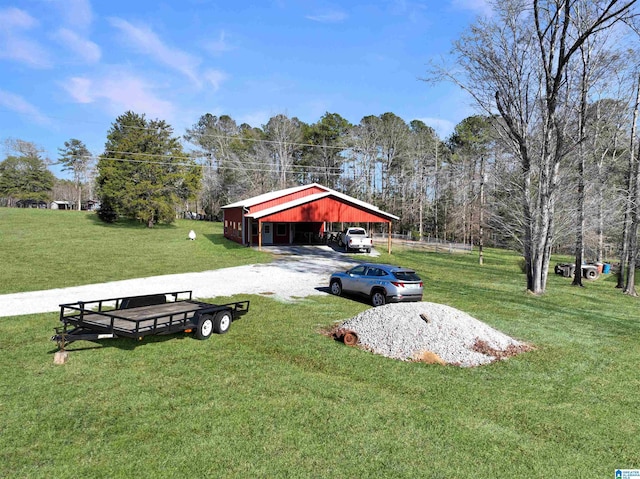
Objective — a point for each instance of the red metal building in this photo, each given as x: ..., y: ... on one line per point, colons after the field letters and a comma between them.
x: 298, y: 215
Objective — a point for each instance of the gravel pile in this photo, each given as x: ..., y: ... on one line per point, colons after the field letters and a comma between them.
x: 411, y: 331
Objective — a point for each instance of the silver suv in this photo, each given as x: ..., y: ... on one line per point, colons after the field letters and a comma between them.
x: 382, y: 283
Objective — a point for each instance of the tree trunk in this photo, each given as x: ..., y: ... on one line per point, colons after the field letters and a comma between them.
x: 632, y: 248
x: 582, y: 119
x: 632, y: 194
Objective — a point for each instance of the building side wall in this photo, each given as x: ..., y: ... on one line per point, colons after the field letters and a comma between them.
x: 232, y: 219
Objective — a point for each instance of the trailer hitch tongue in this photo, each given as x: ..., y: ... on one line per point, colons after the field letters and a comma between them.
x: 60, y: 338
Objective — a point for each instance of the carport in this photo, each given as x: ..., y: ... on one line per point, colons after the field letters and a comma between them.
x: 297, y: 215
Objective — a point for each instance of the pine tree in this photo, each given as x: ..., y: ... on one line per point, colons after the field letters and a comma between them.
x: 144, y: 173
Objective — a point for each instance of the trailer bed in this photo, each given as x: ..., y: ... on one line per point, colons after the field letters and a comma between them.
x: 144, y: 318
x: 139, y: 316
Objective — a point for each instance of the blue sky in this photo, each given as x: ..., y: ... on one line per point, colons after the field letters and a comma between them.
x: 68, y: 68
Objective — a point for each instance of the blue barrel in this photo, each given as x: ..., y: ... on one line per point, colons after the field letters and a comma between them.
x: 606, y: 268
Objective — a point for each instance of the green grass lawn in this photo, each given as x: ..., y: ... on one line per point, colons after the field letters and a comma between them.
x: 275, y: 398
x: 43, y: 249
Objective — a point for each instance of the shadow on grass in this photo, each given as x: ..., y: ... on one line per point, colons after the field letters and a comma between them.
x: 124, y: 344
x: 220, y: 240
x: 127, y: 223
x: 359, y: 298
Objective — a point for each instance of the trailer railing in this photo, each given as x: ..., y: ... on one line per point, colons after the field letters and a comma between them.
x: 84, y: 313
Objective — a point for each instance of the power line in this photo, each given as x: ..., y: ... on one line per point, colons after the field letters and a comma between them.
x: 293, y: 167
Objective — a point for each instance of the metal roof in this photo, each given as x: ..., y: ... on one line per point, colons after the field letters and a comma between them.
x: 256, y: 200
x: 315, y: 197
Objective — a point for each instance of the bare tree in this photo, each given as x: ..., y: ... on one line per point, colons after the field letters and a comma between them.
x: 215, y: 136
x: 284, y: 135
x: 632, y: 212
x: 18, y: 147
x: 365, y: 141
x: 520, y: 63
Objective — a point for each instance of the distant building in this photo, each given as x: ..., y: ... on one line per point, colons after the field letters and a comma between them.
x: 297, y: 215
x: 31, y: 204
x: 90, y: 205
x: 60, y: 205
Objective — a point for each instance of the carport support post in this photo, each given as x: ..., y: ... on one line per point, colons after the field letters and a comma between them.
x: 259, y: 235
x: 389, y: 239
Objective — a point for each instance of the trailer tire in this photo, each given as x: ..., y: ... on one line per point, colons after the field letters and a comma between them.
x: 222, y: 323
x: 591, y: 273
x: 204, y: 327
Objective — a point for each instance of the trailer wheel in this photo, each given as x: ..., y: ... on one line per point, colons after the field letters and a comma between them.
x: 205, y: 327
x: 591, y: 273
x: 222, y: 322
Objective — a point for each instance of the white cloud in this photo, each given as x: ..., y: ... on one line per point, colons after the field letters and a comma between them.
x: 23, y: 51
x: 16, y: 44
x: 80, y: 89
x: 218, y: 46
x: 147, y: 42
x: 481, y: 7
x: 75, y: 13
x: 119, y: 91
x: 20, y: 105
x: 14, y: 18
x: 443, y: 127
x: 331, y: 16
x: 78, y: 13
x: 215, y: 78
x: 85, y: 49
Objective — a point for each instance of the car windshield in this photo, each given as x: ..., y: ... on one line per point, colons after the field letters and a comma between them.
x: 406, y: 275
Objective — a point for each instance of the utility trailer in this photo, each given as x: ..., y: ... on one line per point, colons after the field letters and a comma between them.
x: 567, y: 270
x: 140, y: 316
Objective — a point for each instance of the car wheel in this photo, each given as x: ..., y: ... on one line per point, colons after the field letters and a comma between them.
x: 335, y: 287
x: 368, y: 250
x: 204, y: 327
x: 222, y: 322
x: 378, y: 298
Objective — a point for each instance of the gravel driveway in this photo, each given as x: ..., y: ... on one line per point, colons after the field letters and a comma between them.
x: 295, y: 273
